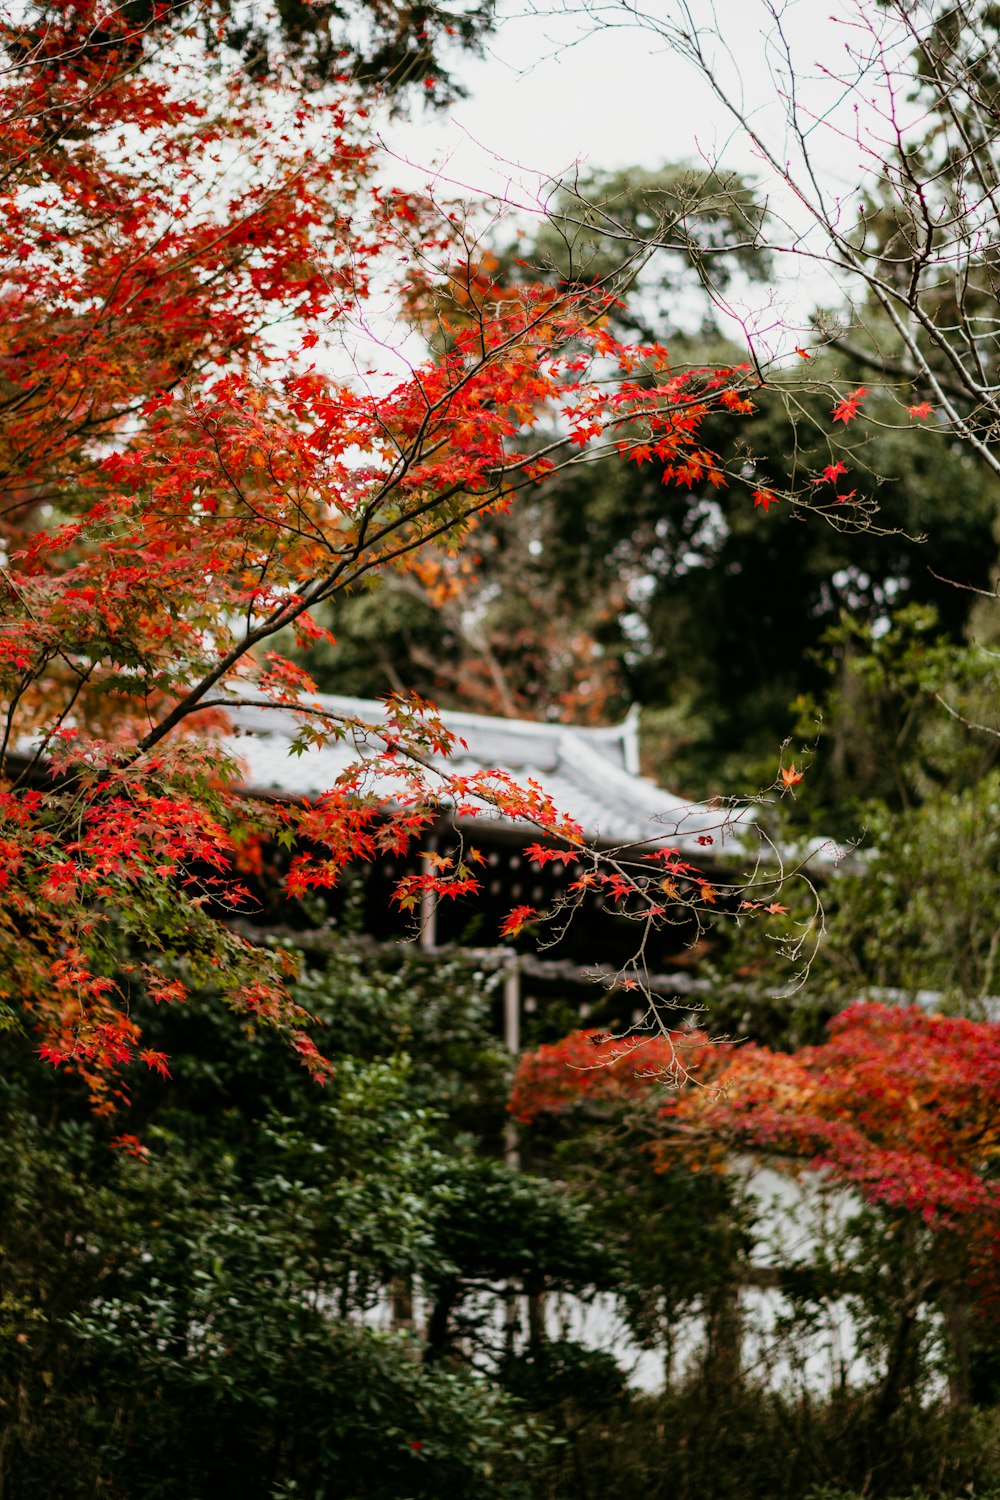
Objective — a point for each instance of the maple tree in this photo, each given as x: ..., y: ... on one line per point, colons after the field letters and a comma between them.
x: 898, y: 1105
x: 182, y: 481
x: 190, y: 258
x: 193, y: 256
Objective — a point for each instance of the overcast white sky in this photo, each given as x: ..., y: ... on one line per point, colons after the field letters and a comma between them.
x: 554, y: 92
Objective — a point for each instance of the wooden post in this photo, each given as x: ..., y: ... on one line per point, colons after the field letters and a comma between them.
x: 428, y: 905
x: 512, y: 1041
x: 512, y: 1004
x: 401, y: 1302
x: 512, y: 1156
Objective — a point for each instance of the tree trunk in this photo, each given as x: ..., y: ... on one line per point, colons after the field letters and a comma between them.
x: 957, y: 1312
x: 536, y: 1321
x: 722, y: 1366
x: 438, y: 1329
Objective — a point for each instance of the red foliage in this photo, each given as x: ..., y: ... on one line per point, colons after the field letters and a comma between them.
x: 176, y: 488
x: 595, y: 1067
x: 831, y: 473
x: 904, y: 1106
x: 899, y: 1105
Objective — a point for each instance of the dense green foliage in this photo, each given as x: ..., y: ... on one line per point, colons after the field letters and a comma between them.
x: 195, y: 1322
x: 216, y: 1317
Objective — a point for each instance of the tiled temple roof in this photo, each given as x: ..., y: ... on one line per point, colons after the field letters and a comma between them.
x: 590, y: 774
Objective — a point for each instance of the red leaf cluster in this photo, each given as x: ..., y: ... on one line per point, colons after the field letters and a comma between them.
x: 178, y: 486
x: 901, y: 1106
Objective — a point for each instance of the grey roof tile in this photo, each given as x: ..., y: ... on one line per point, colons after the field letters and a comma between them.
x: 585, y: 771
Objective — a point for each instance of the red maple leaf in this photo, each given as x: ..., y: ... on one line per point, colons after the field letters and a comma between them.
x: 131, y: 1145
x: 516, y: 920
x: 847, y: 408
x: 543, y: 854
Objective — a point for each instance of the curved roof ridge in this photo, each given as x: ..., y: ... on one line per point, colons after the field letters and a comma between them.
x: 626, y: 728
x: 670, y: 815
x: 590, y: 773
